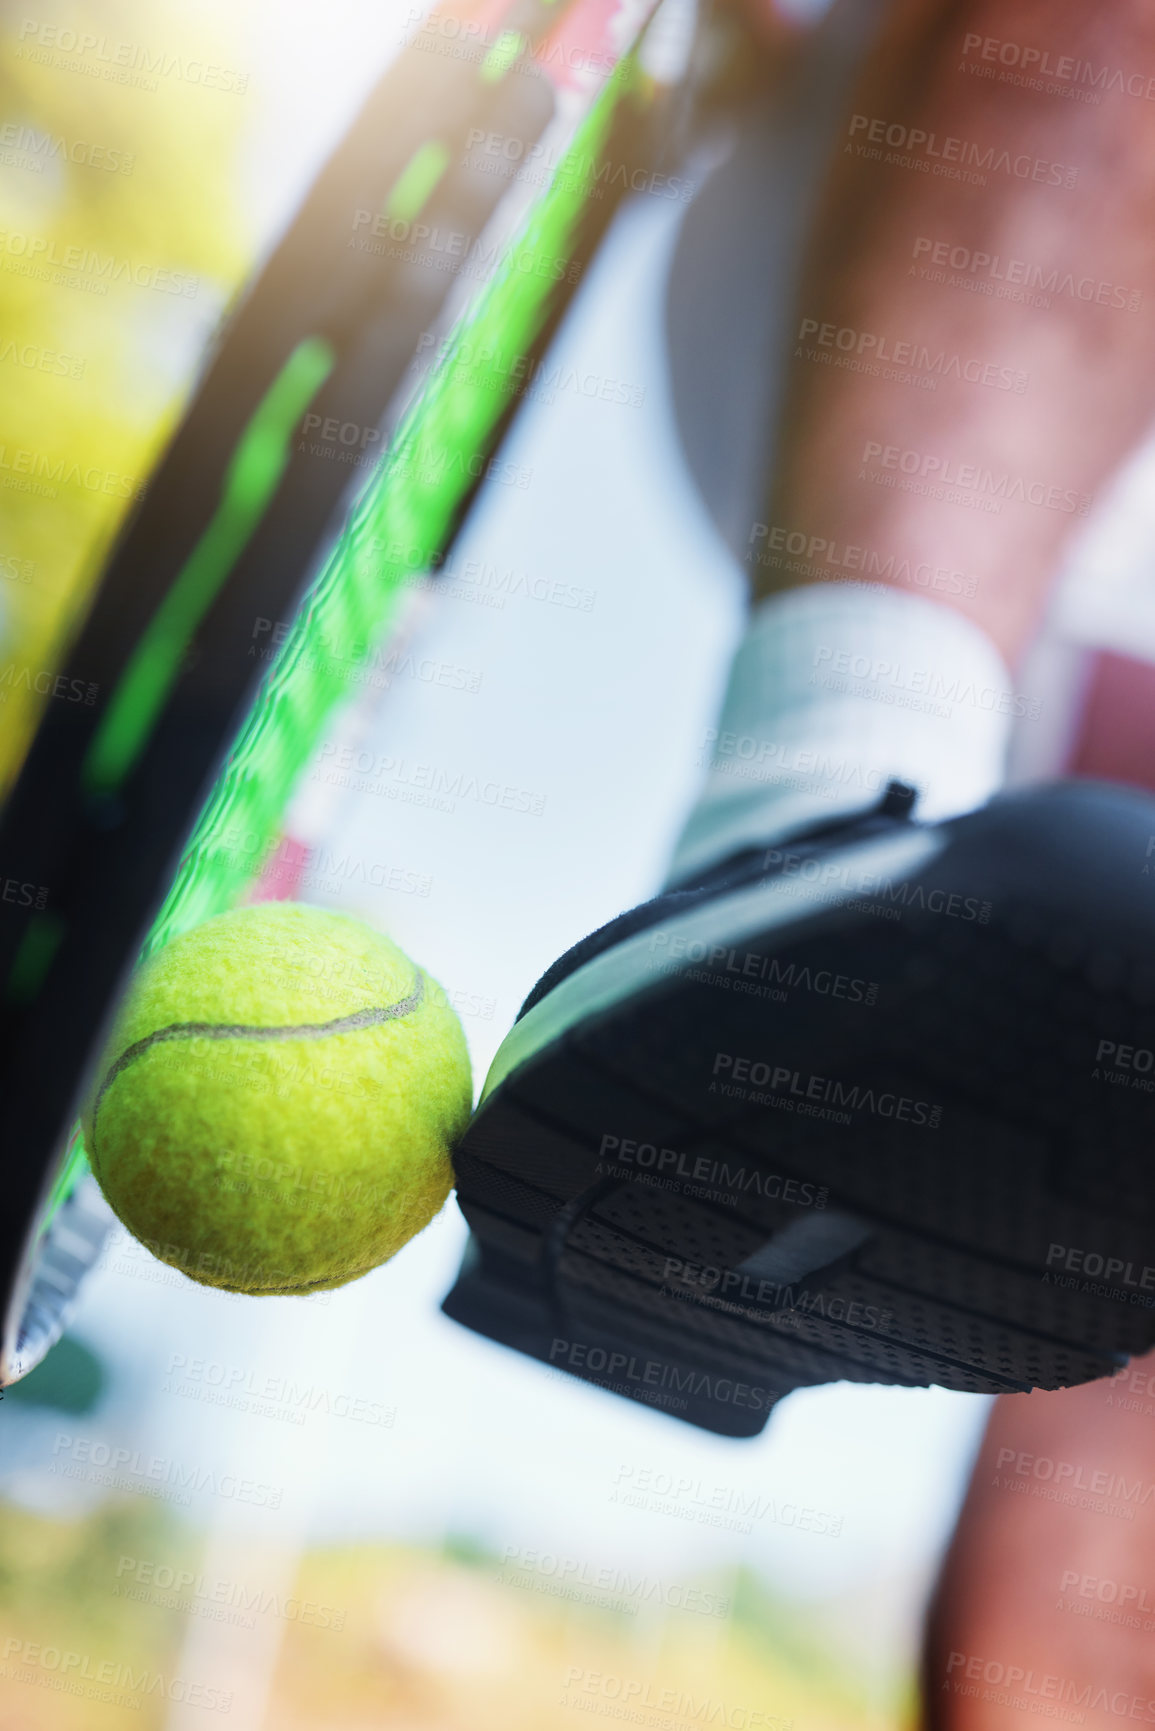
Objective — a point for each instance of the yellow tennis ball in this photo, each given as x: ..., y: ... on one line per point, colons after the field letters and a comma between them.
x: 278, y: 1098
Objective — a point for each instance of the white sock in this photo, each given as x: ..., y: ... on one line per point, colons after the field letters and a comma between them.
x: 837, y: 689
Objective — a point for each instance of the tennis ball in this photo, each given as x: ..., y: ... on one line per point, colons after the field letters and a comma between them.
x: 276, y: 1104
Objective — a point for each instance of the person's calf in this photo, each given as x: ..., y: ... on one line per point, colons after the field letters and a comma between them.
x: 1046, y: 1602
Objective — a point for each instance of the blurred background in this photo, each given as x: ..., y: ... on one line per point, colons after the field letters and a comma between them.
x: 344, y: 1512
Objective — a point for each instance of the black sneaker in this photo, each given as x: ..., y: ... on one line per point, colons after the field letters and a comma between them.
x: 876, y: 1105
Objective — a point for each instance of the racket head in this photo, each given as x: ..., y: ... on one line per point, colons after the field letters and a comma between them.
x: 125, y: 789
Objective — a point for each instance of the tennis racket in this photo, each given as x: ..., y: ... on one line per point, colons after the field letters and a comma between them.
x: 123, y: 813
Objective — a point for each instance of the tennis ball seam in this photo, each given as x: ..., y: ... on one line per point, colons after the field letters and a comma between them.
x: 352, y: 1023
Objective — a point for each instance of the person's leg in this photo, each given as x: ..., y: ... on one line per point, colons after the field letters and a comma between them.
x: 1047, y: 1600
x: 973, y: 355
x: 900, y: 1017
x: 917, y: 275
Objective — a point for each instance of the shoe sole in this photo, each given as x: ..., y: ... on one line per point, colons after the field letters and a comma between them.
x: 885, y: 1116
